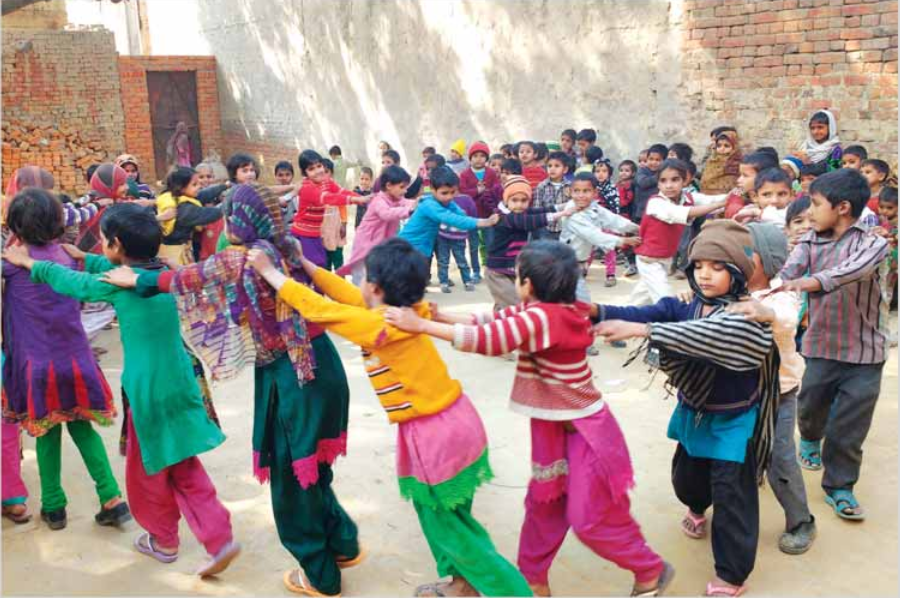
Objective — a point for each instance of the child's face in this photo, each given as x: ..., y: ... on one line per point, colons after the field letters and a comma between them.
x: 317, y: 173
x: 396, y: 190
x: 818, y: 131
x: 111, y: 251
x: 556, y: 170
x: 798, y: 226
x: 284, y: 176
x: 671, y: 183
x: 601, y: 171
x: 724, y: 147
x: 713, y: 278
x: 245, y: 174
x: 122, y: 190
x: 206, y: 177
x: 774, y: 194
x: 387, y: 161
x: 444, y: 194
x: 365, y: 180
x: 873, y: 176
x: 583, y: 193
x: 526, y: 154
x: 805, y: 181
x: 822, y: 215
x: 566, y: 143
x: 654, y: 160
x: 504, y: 174
x: 746, y: 177
x: 517, y: 202
x: 583, y: 145
x: 496, y: 163
x: 888, y: 210
x: 851, y: 161
x: 426, y: 155
x: 454, y: 155
x: 193, y: 187
x: 131, y: 169
x: 478, y: 160
x: 626, y: 172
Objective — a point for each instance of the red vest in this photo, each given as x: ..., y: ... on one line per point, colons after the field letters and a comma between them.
x: 660, y: 239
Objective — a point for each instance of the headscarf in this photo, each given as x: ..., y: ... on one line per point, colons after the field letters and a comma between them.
x: 727, y: 242
x: 817, y: 152
x: 107, y: 179
x: 24, y: 177
x: 770, y: 242
x: 229, y: 312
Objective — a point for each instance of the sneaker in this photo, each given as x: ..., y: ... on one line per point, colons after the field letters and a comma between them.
x: 610, y: 281
x: 592, y: 350
x: 631, y: 271
x: 445, y: 288
x: 476, y: 279
x: 56, y: 520
x: 618, y: 344
x: 116, y: 516
x: 799, y: 539
x: 451, y: 283
x: 470, y: 287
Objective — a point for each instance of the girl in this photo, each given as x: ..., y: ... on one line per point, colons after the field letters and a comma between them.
x: 609, y: 199
x: 663, y: 223
x: 109, y: 182
x: 213, y: 185
x: 334, y: 228
x: 722, y: 169
x: 14, y: 492
x: 381, y: 221
x: 743, y: 194
x: 137, y: 189
x: 822, y: 145
x: 50, y: 376
x: 181, y: 214
x: 580, y: 463
x: 727, y: 394
x: 625, y: 189
x: 531, y: 170
x: 301, y: 398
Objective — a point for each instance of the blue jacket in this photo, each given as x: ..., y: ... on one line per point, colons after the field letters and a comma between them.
x: 422, y: 229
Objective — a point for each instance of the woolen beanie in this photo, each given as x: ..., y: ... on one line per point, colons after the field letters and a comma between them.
x: 724, y: 241
x: 770, y: 242
x: 794, y: 164
x: 459, y: 146
x: 516, y: 184
x: 479, y: 146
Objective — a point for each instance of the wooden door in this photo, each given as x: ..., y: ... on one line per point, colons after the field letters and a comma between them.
x: 173, y: 99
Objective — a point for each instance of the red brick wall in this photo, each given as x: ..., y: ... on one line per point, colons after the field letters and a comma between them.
x: 765, y: 66
x: 138, y: 134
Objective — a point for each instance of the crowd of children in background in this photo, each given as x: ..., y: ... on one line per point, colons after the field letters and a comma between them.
x: 791, y: 265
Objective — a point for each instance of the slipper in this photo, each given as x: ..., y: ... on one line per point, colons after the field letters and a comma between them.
x: 221, y: 560
x: 144, y: 544
x: 810, y: 456
x: 17, y: 518
x: 304, y: 587
x: 665, y: 578
x: 345, y: 563
x: 693, y: 526
x: 843, y: 501
x: 431, y: 589
x: 714, y: 590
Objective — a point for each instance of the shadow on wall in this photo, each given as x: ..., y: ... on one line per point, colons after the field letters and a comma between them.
x: 313, y: 73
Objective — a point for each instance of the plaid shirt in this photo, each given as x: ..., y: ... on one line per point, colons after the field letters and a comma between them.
x: 548, y: 195
x: 845, y: 317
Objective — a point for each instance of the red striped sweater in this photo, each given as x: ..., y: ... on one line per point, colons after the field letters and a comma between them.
x: 553, y: 379
x: 313, y: 199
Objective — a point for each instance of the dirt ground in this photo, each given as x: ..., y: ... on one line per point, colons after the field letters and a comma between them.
x: 84, y: 559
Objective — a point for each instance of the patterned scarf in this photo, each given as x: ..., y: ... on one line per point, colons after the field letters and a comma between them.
x: 22, y: 178
x: 105, y: 183
x: 230, y: 314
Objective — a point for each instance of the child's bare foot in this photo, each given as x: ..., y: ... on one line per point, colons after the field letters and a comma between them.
x: 458, y: 586
x: 540, y: 589
x: 17, y: 513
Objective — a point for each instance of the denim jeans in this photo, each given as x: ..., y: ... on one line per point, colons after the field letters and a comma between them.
x: 458, y: 248
x: 473, y: 253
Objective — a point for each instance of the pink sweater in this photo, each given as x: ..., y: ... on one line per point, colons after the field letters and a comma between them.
x: 381, y: 222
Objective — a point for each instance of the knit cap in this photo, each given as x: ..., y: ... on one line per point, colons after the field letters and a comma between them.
x: 478, y: 146
x: 459, y: 146
x: 516, y: 184
x: 794, y: 164
x: 723, y: 241
x: 770, y: 242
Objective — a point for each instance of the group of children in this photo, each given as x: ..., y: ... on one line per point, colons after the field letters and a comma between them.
x: 785, y: 275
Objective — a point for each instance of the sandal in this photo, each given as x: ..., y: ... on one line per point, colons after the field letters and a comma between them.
x: 345, y: 563
x: 145, y: 545
x: 16, y: 516
x: 432, y: 589
x: 665, y: 578
x: 302, y: 585
x: 693, y: 526
x: 221, y: 560
x: 845, y: 505
x: 714, y: 590
x: 810, y: 454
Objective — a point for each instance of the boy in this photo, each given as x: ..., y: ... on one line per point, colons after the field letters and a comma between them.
x: 392, y: 158
x: 284, y: 175
x: 364, y: 189
x: 773, y: 192
x: 456, y: 162
x: 553, y: 192
x: 567, y: 144
x: 482, y: 184
x: 531, y: 170
x: 844, y: 345
x: 340, y: 165
x: 496, y: 162
x: 585, y: 139
x: 163, y: 474
x: 854, y: 156
x: 510, y: 167
x: 451, y: 240
x: 438, y: 208
x: 887, y: 210
x: 808, y: 174
x: 413, y: 385
x: 645, y: 183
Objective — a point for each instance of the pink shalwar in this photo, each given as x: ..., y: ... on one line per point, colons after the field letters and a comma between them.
x: 587, y: 490
x: 13, y: 488
x: 609, y: 259
x: 157, y: 501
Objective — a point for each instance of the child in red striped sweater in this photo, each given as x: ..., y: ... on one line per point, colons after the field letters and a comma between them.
x: 581, y: 469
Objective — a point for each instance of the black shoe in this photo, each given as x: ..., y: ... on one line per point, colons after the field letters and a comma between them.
x: 56, y: 520
x: 115, y: 516
x: 799, y: 539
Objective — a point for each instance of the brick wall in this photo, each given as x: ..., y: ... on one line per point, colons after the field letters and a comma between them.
x: 139, y: 135
x: 267, y: 154
x: 765, y: 66
x: 61, y: 107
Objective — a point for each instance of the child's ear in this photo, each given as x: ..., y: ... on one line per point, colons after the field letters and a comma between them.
x: 845, y: 209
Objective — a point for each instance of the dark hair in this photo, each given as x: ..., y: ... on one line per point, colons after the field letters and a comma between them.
x: 593, y: 154
x: 797, y: 207
x: 392, y: 175
x: 814, y: 169
x: 64, y: 197
x: 589, y: 135
x: 335, y: 150
x: 586, y: 176
x: 766, y: 149
x: 760, y: 161
x: 727, y: 138
x: 506, y: 147
x: 530, y: 144
x: 772, y: 175
x: 675, y: 164
x: 399, y: 270
x: 881, y: 166
x: 541, y: 150
x: 858, y: 151
x: 843, y: 185
x: 561, y: 156
x: 393, y: 155
x: 178, y: 180
x: 819, y: 117
x: 692, y: 169
x: 135, y: 228
x: 307, y: 159
x: 570, y: 133
x: 238, y: 161
x: 429, y: 150
x: 511, y: 165
x: 552, y: 268
x: 284, y: 165
x: 496, y: 157
x: 683, y: 151
x: 719, y: 130
x: 607, y: 163
x: 367, y: 170
x: 631, y: 163
x: 888, y: 195
x: 89, y: 173
x: 328, y: 164
x: 658, y: 148
x: 36, y: 216
x: 438, y: 160
x: 443, y: 176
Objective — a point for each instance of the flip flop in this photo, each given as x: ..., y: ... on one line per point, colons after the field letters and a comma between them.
x: 144, y: 544
x: 840, y: 501
x: 810, y: 456
x: 221, y: 560
x: 17, y: 518
x: 304, y: 588
x: 665, y: 578
x: 693, y: 526
x: 345, y: 563
x: 714, y: 590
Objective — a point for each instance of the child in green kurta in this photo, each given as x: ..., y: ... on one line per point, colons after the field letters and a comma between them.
x: 168, y: 423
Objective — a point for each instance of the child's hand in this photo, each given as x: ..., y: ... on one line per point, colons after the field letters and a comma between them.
x: 123, y: 276
x: 491, y: 221
x: 74, y: 252
x: 752, y: 310
x: 259, y: 261
x: 105, y: 202
x: 630, y: 241
x: 435, y: 311
x: 803, y: 285
x: 17, y: 255
x: 747, y: 213
x: 620, y: 330
x: 685, y: 296
x: 568, y: 211
x: 405, y: 319
x: 145, y: 203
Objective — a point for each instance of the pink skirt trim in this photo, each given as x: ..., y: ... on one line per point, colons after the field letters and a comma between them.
x: 306, y: 470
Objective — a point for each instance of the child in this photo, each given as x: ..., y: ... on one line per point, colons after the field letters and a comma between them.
x: 363, y: 189
x: 585, y: 139
x: 808, y: 173
x: 316, y: 193
x: 392, y: 158
x: 284, y: 175
x: 451, y: 240
x: 531, y: 170
x: 438, y: 208
x: 642, y: 159
x: 553, y: 192
x: 592, y: 155
x: 660, y: 230
x: 854, y: 156
x: 797, y: 219
x: 50, y: 376
x: 608, y: 194
x: 138, y: 190
x: 645, y: 181
x: 442, y: 454
x: 457, y: 162
x: 580, y: 463
x: 773, y: 192
x: 625, y: 189
x: 496, y: 162
x: 837, y: 264
x: 722, y: 169
x: 14, y: 492
x: 427, y: 152
x: 791, y: 166
x: 181, y: 213
x: 711, y: 147
x: 567, y: 145
x: 743, y: 194
x: 727, y: 394
x: 510, y: 167
x: 822, y: 145
x: 482, y: 184
x: 878, y: 174
x: 334, y: 228
x: 340, y: 165
x: 887, y: 209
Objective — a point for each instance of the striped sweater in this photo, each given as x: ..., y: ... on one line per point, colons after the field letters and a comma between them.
x: 313, y: 199
x: 553, y: 379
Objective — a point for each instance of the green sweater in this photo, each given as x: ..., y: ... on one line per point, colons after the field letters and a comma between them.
x: 166, y: 406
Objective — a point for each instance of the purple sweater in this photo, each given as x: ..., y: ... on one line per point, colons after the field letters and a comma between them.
x: 467, y: 204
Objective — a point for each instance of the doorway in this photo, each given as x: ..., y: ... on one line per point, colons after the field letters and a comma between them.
x: 173, y: 99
